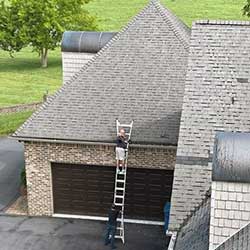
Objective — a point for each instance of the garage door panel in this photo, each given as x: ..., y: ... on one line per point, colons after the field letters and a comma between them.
x: 89, y: 190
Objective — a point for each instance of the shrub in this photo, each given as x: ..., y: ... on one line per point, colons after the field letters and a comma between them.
x: 23, y: 177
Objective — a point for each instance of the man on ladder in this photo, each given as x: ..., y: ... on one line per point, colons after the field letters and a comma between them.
x: 121, y: 146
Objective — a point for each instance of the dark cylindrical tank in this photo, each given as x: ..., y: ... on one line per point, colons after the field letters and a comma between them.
x: 231, y: 158
x: 85, y: 41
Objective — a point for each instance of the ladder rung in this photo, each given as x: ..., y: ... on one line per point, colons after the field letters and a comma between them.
x: 119, y: 228
x: 119, y: 196
x: 125, y: 125
x: 120, y: 193
x: 118, y: 236
x: 119, y: 204
x: 123, y: 181
x: 122, y: 173
x: 120, y: 188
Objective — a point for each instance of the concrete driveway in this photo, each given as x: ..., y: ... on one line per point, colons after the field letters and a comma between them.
x: 11, y: 163
x: 25, y: 233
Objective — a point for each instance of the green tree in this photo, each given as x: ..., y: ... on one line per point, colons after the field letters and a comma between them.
x: 40, y: 24
x: 11, y: 38
x: 246, y: 9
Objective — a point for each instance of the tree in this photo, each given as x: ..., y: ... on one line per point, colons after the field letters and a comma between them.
x: 246, y: 9
x: 40, y: 24
x: 11, y: 38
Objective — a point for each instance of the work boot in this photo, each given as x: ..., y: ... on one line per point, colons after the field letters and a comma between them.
x: 107, y: 242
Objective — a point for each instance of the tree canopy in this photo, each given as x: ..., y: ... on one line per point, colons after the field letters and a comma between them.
x: 40, y: 24
x: 246, y: 9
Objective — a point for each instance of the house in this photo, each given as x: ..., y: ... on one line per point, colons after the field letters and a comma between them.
x: 213, y: 213
x: 69, y: 142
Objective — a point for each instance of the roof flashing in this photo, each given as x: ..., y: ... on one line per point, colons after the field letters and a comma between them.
x: 222, y: 22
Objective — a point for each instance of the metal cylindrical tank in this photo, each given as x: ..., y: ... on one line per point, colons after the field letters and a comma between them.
x: 85, y: 41
x: 231, y: 157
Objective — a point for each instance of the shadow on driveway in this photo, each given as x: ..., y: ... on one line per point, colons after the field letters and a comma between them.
x: 11, y: 164
x: 38, y: 233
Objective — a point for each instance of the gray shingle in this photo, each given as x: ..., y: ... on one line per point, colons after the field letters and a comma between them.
x: 239, y: 241
x: 138, y: 75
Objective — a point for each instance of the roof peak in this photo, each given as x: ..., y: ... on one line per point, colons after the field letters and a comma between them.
x: 113, y: 69
x: 181, y: 30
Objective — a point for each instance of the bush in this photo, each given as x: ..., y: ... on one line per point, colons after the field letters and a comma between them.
x: 23, y: 177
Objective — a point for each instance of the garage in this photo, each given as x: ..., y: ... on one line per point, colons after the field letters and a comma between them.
x: 88, y: 190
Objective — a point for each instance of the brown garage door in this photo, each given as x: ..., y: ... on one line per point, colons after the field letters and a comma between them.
x: 88, y: 190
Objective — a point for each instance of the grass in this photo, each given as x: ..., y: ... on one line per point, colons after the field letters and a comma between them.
x: 112, y: 15
x: 10, y: 122
x: 23, y: 81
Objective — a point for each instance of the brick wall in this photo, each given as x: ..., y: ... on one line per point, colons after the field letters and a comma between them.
x: 73, y: 62
x: 20, y: 108
x: 38, y: 157
x: 230, y: 210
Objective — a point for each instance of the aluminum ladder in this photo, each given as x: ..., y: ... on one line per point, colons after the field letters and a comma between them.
x: 120, y: 182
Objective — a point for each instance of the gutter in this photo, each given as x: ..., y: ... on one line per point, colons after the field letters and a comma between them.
x: 92, y: 143
x: 102, y: 218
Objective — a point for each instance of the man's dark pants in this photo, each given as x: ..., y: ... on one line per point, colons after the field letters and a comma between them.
x: 110, y: 235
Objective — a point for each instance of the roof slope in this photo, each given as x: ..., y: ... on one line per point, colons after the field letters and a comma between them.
x: 239, y: 240
x: 138, y: 75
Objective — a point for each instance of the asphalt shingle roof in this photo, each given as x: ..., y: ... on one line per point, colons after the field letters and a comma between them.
x: 138, y: 75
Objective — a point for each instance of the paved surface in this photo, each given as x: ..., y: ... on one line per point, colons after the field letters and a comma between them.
x: 11, y: 163
x: 25, y: 233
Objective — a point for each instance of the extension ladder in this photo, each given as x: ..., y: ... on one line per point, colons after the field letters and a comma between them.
x: 120, y: 181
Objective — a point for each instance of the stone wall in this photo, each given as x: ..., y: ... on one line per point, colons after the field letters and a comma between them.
x: 239, y: 241
x: 73, y: 62
x: 38, y: 158
x: 194, y: 233
x: 20, y: 108
x: 230, y: 210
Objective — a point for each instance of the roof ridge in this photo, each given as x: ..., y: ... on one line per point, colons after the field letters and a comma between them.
x: 88, y: 64
x: 221, y: 22
x: 197, y: 208
x: 183, y: 32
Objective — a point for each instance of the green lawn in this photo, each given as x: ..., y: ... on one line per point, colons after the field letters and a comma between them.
x: 23, y: 81
x: 112, y: 15
x: 10, y: 122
